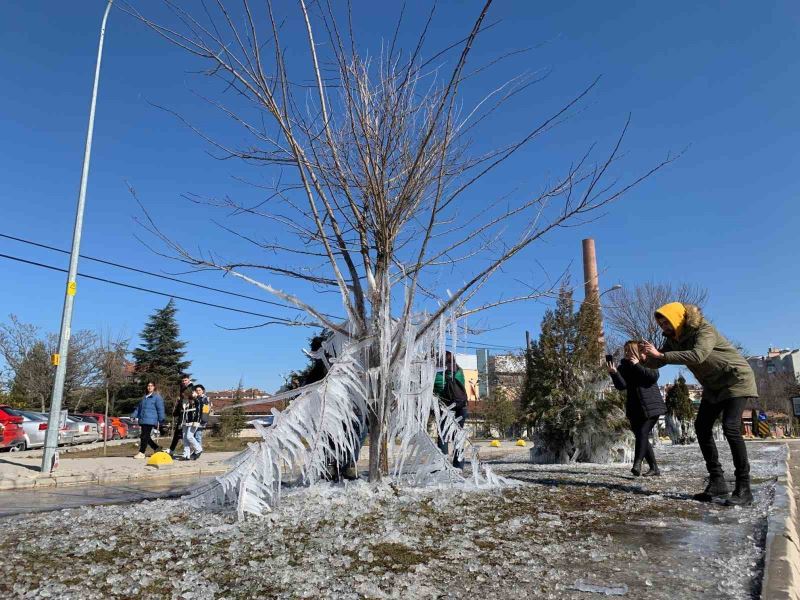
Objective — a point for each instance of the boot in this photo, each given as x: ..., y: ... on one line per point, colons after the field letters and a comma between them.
x: 741, y: 496
x: 716, y: 488
x: 637, y: 468
x: 653, y: 472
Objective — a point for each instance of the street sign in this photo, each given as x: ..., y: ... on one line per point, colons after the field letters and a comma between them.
x: 796, y: 405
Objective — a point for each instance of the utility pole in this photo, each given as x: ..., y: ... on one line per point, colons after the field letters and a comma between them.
x: 59, y: 360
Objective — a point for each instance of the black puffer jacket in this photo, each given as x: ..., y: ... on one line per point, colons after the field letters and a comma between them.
x: 641, y: 386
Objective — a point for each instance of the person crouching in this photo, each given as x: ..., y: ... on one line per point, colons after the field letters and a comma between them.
x: 728, y: 386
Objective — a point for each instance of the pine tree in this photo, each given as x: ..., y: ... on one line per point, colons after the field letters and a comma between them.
x: 680, y: 412
x: 500, y: 412
x: 161, y: 356
x: 232, y: 421
x: 573, y: 417
x: 678, y: 400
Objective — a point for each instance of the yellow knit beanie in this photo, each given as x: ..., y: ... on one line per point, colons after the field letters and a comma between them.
x: 675, y: 313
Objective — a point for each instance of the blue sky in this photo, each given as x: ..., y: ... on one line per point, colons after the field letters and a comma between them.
x: 720, y: 79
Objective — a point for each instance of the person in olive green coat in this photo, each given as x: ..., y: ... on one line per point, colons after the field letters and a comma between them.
x: 728, y: 384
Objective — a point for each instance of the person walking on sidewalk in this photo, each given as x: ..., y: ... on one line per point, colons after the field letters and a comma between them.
x: 177, y: 414
x: 203, y: 407
x: 190, y: 424
x: 728, y: 384
x: 643, y: 404
x: 150, y: 413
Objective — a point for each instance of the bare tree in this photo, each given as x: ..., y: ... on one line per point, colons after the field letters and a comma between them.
x: 630, y: 312
x: 27, y: 356
x: 374, y: 168
x: 112, y: 360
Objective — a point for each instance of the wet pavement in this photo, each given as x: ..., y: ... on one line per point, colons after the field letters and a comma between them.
x: 572, y: 532
x: 18, y: 502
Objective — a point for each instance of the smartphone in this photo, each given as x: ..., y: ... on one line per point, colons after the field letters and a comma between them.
x: 610, y: 359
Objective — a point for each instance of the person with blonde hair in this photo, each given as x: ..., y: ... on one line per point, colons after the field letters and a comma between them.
x: 728, y: 385
x: 643, y: 404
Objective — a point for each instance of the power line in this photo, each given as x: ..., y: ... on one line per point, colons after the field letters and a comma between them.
x: 149, y: 291
x: 471, y: 345
x: 151, y: 274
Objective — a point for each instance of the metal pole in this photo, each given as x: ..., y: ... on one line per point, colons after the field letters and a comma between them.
x: 60, y: 359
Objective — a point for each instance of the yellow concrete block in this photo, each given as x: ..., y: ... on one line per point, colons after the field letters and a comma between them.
x: 495, y: 443
x: 159, y: 458
x: 521, y: 443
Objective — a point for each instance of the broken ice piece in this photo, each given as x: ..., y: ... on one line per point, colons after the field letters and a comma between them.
x: 616, y: 589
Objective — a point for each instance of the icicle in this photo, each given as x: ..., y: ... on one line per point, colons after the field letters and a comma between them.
x: 320, y: 424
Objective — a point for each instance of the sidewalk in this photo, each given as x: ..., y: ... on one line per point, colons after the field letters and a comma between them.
x: 23, y: 472
x: 782, y: 552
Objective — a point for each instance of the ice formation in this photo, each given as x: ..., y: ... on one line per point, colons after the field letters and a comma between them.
x: 322, y: 423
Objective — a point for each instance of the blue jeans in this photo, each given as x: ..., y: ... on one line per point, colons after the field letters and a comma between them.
x: 191, y: 445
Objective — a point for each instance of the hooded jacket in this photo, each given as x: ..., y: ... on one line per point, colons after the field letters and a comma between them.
x: 713, y: 360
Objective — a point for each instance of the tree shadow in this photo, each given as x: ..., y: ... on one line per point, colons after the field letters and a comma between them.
x: 528, y: 477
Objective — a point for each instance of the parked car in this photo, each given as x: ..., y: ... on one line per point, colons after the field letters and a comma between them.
x: 34, y: 427
x: 96, y: 422
x: 134, y: 429
x: 85, y: 432
x: 12, y: 436
x: 114, y: 429
x: 65, y: 435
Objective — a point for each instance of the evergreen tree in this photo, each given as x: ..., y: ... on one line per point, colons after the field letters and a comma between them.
x: 574, y: 418
x: 501, y: 413
x: 678, y: 400
x: 161, y: 356
x: 232, y: 421
x: 680, y: 413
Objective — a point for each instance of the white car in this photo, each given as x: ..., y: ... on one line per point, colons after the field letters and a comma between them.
x: 34, y: 427
x: 84, y: 432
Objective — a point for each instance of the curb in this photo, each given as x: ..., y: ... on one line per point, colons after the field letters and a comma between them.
x: 103, y: 478
x: 782, y: 548
x: 38, y: 452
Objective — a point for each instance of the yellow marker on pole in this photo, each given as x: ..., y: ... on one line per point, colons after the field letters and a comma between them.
x: 55, y: 359
x: 72, y: 288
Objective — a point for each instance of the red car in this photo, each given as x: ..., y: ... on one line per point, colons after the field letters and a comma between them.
x: 12, y: 436
x: 114, y: 429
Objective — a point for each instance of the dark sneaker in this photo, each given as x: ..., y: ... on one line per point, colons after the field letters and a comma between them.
x: 196, y: 456
x: 652, y: 473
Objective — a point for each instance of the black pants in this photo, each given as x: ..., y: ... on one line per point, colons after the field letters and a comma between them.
x: 731, y: 411
x: 177, y: 436
x: 460, y: 411
x: 145, y: 440
x: 641, y: 427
